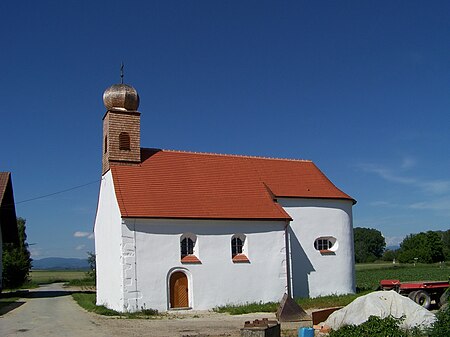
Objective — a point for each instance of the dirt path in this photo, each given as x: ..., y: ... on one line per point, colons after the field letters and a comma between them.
x: 50, y: 311
x: 193, y: 324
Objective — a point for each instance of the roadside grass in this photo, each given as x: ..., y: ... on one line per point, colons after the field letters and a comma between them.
x: 87, y: 301
x: 247, y: 308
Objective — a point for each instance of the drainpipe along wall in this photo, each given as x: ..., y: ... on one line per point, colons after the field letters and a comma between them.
x: 288, y: 259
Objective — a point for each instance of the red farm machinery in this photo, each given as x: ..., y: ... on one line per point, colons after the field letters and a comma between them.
x: 421, y: 292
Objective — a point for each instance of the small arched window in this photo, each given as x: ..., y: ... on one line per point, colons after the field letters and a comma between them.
x: 124, y: 141
x: 236, y: 246
x: 106, y: 144
x: 188, y: 248
x: 239, y: 248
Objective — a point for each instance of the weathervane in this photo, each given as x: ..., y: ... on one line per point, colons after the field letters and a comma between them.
x: 121, y: 73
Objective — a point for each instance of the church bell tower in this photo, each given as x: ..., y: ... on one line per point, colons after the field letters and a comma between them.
x: 121, y: 127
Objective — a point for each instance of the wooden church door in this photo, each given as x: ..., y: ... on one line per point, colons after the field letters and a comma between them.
x: 179, y: 293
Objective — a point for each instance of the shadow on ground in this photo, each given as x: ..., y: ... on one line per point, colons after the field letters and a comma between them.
x: 54, y: 293
x: 6, y: 306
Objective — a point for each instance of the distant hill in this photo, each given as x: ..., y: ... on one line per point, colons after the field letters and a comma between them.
x: 393, y: 247
x: 60, y: 263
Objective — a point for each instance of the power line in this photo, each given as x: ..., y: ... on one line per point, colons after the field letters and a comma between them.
x: 59, y: 192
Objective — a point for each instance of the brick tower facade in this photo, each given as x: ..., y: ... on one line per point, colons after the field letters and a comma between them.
x: 121, y: 127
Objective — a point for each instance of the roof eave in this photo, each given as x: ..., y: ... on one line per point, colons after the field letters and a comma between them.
x: 323, y: 198
x: 205, y: 218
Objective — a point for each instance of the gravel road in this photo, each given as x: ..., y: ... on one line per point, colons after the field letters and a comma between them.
x: 50, y: 311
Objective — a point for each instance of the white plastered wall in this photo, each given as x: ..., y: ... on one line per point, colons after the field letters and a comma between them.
x: 217, y: 280
x: 315, y: 274
x: 108, y: 247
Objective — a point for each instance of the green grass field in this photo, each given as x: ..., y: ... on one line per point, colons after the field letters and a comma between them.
x: 368, y: 276
x: 51, y: 276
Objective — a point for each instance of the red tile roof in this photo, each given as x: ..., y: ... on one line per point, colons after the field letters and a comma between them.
x: 175, y: 184
x: 4, y: 179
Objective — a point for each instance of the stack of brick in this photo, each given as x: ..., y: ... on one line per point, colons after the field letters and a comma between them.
x: 261, y: 328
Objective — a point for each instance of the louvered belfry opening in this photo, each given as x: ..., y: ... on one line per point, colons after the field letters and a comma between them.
x: 124, y: 141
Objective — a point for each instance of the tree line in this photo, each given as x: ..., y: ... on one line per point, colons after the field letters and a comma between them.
x: 16, y: 259
x: 423, y: 247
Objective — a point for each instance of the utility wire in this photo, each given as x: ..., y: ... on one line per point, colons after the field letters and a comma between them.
x: 59, y: 192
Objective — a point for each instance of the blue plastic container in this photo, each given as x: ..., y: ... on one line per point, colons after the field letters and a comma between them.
x: 306, y: 332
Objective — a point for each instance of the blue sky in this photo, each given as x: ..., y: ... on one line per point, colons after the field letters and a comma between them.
x: 362, y: 88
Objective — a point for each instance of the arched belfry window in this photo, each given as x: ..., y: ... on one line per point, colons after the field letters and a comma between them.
x: 124, y: 141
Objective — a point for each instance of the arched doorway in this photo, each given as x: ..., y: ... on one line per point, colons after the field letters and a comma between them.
x: 179, y: 292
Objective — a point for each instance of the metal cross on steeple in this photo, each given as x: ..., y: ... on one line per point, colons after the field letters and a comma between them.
x: 121, y: 73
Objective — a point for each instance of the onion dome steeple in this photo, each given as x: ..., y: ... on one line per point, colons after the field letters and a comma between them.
x: 121, y: 97
x: 121, y: 126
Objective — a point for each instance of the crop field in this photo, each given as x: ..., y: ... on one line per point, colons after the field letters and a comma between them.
x: 368, y: 276
x: 50, y: 276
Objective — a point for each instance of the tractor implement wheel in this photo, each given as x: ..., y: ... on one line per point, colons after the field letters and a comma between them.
x: 412, y: 295
x: 423, y: 299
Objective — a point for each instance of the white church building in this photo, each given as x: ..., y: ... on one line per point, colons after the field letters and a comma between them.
x: 185, y: 230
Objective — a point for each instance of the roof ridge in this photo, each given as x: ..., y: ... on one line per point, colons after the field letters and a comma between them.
x: 232, y: 155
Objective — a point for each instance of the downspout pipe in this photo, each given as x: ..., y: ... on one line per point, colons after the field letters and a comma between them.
x: 289, y: 310
x: 288, y: 259
x: 135, y: 266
